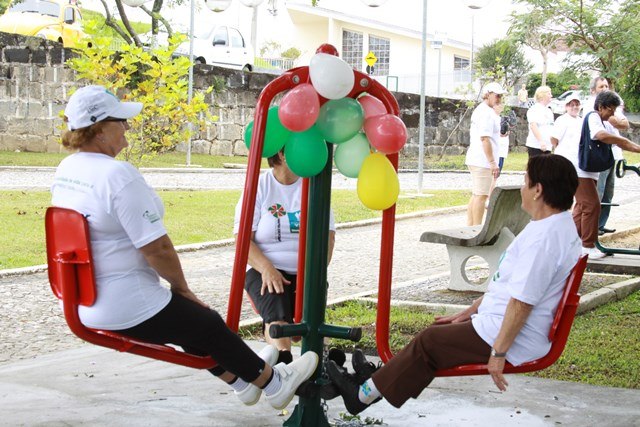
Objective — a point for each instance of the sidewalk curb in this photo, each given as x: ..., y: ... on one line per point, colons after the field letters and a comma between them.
x: 193, y: 247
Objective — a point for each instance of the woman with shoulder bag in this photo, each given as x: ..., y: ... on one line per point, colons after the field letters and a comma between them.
x: 586, y: 210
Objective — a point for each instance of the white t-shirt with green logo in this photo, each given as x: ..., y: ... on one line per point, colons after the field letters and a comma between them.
x: 276, y: 221
x: 124, y: 214
x: 533, y: 270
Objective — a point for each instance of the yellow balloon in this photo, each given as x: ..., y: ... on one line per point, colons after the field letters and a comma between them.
x: 378, y: 184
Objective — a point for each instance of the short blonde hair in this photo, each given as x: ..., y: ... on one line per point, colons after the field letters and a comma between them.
x: 541, y: 91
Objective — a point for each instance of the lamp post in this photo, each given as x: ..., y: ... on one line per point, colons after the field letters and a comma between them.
x: 438, y: 40
x: 254, y: 21
x: 474, y: 5
x: 423, y: 75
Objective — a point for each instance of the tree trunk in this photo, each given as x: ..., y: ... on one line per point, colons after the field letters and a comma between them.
x: 544, y: 67
x: 127, y: 24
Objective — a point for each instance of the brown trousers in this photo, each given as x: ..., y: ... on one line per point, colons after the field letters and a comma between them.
x: 436, y: 347
x: 586, y: 211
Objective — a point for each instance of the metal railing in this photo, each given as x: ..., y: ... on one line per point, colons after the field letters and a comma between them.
x: 274, y: 64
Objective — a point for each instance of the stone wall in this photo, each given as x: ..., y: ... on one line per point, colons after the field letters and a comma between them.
x: 34, y: 88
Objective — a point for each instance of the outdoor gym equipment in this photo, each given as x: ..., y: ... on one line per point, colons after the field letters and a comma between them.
x: 621, y: 169
x: 72, y: 280
x: 312, y: 274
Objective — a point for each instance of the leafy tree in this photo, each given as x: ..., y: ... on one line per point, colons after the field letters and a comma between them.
x: 601, y: 35
x: 503, y: 61
x: 158, y: 80
x: 4, y: 4
x: 559, y: 83
x: 528, y: 30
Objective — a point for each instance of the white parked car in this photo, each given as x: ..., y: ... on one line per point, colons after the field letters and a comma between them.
x: 223, y: 46
x: 558, y: 104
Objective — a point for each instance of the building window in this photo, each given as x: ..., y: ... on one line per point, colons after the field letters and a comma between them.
x: 352, y: 49
x: 380, y: 48
x: 461, y: 69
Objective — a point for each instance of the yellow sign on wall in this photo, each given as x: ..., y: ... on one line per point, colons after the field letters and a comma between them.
x: 371, y: 59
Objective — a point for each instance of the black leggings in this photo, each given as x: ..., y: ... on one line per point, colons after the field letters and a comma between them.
x: 200, y: 330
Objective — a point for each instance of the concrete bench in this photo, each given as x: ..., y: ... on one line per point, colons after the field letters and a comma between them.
x: 504, y: 220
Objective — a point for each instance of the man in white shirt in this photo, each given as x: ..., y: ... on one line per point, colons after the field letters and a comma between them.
x: 482, y: 155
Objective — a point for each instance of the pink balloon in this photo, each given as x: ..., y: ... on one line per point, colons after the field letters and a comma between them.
x: 299, y: 108
x: 372, y: 106
x: 386, y: 133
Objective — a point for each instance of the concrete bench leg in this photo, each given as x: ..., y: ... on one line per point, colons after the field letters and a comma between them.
x: 459, y: 255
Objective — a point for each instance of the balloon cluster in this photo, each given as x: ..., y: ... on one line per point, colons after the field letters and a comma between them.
x: 361, y: 129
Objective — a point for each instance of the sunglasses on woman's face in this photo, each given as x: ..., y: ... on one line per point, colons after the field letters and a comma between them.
x: 114, y: 119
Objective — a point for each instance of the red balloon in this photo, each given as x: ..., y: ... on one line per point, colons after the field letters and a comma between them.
x: 299, y: 108
x: 372, y: 106
x: 386, y: 133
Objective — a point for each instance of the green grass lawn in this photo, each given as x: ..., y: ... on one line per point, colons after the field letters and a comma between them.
x: 514, y: 162
x: 603, y: 348
x: 191, y: 217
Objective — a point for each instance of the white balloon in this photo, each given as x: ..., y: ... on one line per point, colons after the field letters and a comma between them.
x: 134, y: 3
x: 330, y: 76
x: 218, y: 5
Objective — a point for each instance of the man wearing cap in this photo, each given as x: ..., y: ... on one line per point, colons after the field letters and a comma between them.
x: 482, y: 155
x: 607, y: 179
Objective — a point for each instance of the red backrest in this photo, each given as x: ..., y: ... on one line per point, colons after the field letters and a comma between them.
x: 67, y: 233
x: 558, y: 333
x: 72, y: 280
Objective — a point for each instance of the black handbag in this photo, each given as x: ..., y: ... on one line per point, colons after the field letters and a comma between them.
x: 593, y: 155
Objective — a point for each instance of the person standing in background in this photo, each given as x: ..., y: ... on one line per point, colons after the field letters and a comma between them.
x: 607, y: 179
x: 482, y: 155
x: 523, y: 96
x: 540, y: 118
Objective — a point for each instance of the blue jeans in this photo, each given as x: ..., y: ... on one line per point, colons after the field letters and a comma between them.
x: 606, y: 184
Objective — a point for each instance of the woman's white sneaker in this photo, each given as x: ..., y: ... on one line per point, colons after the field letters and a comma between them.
x: 251, y: 393
x: 593, y: 253
x: 292, y: 375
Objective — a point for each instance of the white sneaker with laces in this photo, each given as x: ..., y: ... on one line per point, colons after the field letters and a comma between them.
x: 251, y: 394
x: 594, y: 253
x: 292, y: 375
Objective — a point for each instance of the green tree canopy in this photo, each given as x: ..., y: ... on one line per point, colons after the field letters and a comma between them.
x: 601, y: 35
x: 502, y: 61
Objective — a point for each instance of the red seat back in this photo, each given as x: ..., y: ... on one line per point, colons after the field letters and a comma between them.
x: 72, y: 280
x: 67, y: 234
x: 558, y: 333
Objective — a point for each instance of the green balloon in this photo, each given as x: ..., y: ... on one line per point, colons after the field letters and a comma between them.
x: 340, y: 119
x: 351, y: 154
x: 275, y: 137
x: 306, y: 152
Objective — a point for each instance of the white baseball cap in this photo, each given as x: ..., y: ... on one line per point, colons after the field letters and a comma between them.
x: 91, y: 104
x: 493, y: 87
x: 572, y: 98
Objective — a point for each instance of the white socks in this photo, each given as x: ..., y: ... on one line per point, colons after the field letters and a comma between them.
x: 368, y: 392
x: 274, y: 385
x: 239, y: 384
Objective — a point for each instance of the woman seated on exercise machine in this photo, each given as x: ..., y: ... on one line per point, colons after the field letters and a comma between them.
x: 512, y: 320
x: 131, y: 251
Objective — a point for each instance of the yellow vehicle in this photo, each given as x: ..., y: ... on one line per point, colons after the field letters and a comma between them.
x: 57, y: 20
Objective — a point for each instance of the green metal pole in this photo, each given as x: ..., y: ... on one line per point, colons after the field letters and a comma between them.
x: 309, y: 412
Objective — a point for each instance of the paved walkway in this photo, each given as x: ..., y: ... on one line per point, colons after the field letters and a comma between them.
x: 43, y: 366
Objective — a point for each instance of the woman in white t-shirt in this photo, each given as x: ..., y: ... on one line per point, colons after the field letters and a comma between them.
x: 131, y: 251
x: 273, y: 252
x: 565, y: 136
x: 540, y: 118
x: 512, y: 320
x: 586, y: 211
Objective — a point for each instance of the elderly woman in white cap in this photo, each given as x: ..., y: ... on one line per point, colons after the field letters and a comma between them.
x: 482, y: 155
x: 131, y: 251
x: 565, y: 136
